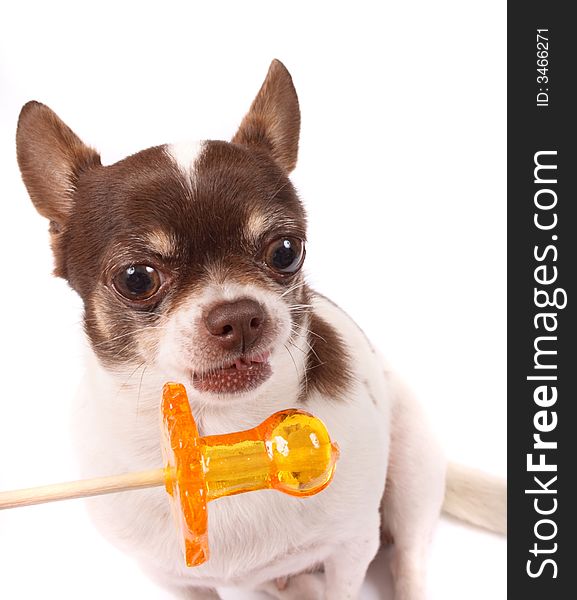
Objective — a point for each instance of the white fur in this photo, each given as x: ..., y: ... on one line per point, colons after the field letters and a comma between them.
x: 253, y: 537
x: 185, y: 155
x: 260, y: 537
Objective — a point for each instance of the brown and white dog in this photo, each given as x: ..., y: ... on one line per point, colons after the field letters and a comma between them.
x: 188, y: 260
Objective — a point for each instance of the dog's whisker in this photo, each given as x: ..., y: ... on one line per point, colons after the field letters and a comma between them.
x: 293, y: 360
x: 299, y: 311
x: 123, y: 349
x: 125, y: 383
x: 307, y: 330
x: 310, y: 347
x: 297, y: 347
x: 139, y: 391
x: 292, y: 288
x: 128, y: 333
x: 305, y: 369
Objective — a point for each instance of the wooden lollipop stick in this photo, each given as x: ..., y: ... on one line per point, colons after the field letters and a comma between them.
x: 82, y: 489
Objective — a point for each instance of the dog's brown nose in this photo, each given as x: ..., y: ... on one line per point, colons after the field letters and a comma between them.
x: 236, y: 325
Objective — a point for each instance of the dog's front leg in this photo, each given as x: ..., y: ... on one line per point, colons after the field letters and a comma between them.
x: 346, y: 568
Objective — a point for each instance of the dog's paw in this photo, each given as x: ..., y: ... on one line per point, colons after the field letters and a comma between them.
x: 306, y: 586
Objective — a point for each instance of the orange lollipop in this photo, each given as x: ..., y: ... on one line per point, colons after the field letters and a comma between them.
x: 291, y: 451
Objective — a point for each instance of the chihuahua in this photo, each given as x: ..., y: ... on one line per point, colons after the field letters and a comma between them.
x: 188, y: 259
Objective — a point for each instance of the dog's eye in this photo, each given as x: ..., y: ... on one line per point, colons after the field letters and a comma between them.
x: 285, y: 255
x: 138, y: 282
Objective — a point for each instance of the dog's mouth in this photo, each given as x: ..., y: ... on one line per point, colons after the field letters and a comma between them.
x: 243, y: 374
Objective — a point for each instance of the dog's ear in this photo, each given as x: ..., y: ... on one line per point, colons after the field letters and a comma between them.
x: 273, y: 121
x: 51, y: 158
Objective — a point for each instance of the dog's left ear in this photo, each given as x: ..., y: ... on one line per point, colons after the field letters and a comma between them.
x: 273, y: 121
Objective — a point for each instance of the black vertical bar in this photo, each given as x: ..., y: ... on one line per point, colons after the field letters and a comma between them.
x: 542, y: 267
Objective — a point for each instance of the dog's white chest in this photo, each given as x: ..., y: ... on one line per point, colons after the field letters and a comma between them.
x: 253, y: 537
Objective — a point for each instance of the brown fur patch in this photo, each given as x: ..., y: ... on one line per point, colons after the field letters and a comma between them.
x: 273, y: 120
x: 328, y: 361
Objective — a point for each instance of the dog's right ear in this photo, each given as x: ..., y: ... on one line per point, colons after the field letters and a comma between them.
x: 51, y: 158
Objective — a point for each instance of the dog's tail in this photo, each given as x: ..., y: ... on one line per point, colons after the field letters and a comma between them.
x: 476, y: 498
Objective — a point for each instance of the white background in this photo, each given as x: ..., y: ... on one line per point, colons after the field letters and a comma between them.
x: 402, y: 169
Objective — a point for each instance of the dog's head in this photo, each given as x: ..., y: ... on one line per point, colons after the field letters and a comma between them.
x: 187, y: 257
